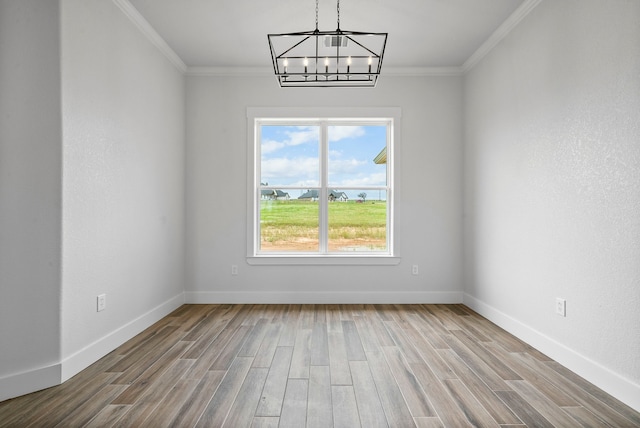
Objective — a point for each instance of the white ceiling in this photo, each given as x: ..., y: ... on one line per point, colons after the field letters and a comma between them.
x: 233, y: 33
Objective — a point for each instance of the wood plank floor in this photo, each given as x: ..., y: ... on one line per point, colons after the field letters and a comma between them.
x: 322, y: 366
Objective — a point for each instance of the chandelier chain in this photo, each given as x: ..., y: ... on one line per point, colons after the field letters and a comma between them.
x: 316, y: 15
x: 338, y: 8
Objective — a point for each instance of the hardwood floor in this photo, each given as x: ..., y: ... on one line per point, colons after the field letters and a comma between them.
x: 322, y: 366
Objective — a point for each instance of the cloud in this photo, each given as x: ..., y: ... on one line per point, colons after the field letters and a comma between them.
x: 345, y: 166
x: 375, y: 179
x: 301, y: 135
x: 310, y: 134
x: 270, y: 146
x: 281, y: 170
x: 303, y: 172
x: 298, y: 167
x: 305, y: 134
x: 341, y: 132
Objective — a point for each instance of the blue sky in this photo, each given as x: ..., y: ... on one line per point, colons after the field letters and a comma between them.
x: 290, y: 156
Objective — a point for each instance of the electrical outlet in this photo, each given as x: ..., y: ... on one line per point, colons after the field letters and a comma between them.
x: 561, y: 307
x: 234, y: 269
x: 414, y: 269
x: 102, y: 302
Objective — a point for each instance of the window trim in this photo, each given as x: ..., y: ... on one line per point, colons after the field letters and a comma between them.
x: 322, y: 113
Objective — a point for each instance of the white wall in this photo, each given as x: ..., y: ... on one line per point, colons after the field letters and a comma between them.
x: 429, y: 220
x: 123, y: 181
x: 30, y: 186
x: 552, y: 187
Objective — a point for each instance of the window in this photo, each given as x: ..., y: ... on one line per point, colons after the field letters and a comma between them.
x: 321, y: 186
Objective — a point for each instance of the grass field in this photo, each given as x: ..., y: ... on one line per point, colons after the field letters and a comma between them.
x: 293, y: 225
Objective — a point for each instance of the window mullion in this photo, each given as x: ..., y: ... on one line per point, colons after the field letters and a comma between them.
x: 324, y: 194
x: 257, y: 153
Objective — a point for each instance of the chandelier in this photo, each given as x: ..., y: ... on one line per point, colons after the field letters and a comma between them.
x: 337, y: 58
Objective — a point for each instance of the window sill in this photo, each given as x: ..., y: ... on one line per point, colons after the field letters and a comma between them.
x: 315, y: 260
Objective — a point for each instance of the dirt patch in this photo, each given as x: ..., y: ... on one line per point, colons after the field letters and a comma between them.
x: 344, y: 245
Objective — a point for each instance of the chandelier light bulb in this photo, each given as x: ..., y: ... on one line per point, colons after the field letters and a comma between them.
x: 306, y: 63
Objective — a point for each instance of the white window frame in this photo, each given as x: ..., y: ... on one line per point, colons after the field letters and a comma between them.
x: 372, y: 116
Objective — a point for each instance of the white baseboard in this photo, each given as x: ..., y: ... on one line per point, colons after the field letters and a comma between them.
x: 82, y: 359
x: 28, y: 382
x: 45, y: 377
x: 605, y: 379
x: 320, y: 297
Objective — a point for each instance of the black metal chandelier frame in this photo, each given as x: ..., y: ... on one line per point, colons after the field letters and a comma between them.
x: 337, y: 58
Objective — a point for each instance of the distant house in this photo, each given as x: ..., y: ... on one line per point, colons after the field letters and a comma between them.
x: 310, y: 195
x: 273, y: 194
x: 282, y: 196
x: 334, y: 195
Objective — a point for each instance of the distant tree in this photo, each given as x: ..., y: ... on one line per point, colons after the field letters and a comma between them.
x: 362, y: 196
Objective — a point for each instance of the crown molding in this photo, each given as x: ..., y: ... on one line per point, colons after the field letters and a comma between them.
x: 150, y: 33
x: 229, y: 71
x: 501, y: 32
x: 268, y: 71
x: 423, y: 71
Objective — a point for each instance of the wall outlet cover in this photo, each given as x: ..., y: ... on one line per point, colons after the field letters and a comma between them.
x: 102, y: 302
